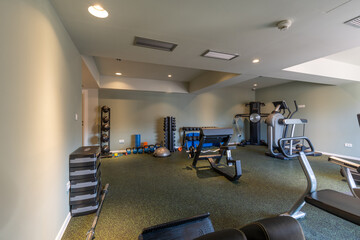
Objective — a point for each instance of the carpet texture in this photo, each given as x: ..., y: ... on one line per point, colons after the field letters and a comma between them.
x: 146, y: 191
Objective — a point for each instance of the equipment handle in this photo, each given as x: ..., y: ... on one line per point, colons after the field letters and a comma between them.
x: 297, y: 153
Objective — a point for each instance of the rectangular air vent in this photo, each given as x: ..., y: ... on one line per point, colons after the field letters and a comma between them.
x: 155, y: 44
x: 355, y: 22
x: 219, y: 55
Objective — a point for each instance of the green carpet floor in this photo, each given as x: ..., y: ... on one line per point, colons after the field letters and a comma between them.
x: 146, y: 191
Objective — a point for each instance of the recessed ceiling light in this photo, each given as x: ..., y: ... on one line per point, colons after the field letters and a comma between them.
x: 169, y: 75
x: 118, y: 73
x: 219, y: 55
x: 98, y: 11
x: 255, y: 84
x: 256, y: 60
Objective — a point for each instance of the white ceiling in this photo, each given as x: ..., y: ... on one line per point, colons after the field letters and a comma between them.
x: 246, y: 27
x: 110, y: 66
x: 351, y: 56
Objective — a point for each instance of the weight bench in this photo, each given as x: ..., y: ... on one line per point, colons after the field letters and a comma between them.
x: 348, y: 170
x: 221, y: 136
x: 340, y: 204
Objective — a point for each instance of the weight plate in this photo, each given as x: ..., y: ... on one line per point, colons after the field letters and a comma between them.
x: 255, y: 117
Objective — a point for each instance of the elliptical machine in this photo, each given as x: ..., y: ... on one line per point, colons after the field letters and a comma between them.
x: 277, y: 128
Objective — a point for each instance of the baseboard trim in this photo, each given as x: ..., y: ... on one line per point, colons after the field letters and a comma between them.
x: 341, y: 156
x: 63, y: 227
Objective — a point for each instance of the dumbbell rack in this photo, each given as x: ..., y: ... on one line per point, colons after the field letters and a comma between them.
x: 105, y: 131
x: 169, y: 133
x: 191, y: 137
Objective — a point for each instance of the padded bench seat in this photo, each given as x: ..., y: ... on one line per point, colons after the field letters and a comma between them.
x: 337, y: 203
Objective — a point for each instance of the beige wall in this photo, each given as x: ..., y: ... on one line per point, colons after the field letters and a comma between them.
x: 330, y: 110
x: 40, y: 94
x: 91, y: 117
x: 142, y: 113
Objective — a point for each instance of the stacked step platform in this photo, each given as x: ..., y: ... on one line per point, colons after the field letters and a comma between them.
x: 85, y: 180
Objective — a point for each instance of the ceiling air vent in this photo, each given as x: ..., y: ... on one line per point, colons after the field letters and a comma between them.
x: 155, y: 44
x: 355, y: 22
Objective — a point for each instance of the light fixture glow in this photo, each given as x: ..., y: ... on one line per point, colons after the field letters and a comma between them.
x: 98, y: 11
x: 256, y: 60
x: 169, y: 75
x: 118, y: 73
x: 219, y: 55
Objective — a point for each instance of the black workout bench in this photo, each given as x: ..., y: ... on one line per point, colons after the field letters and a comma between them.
x: 219, y: 136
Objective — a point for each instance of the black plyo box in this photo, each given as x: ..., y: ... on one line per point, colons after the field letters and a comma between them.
x: 85, y: 188
x: 85, y: 198
x: 84, y: 156
x: 82, y: 173
x: 84, y: 184
x: 80, y: 210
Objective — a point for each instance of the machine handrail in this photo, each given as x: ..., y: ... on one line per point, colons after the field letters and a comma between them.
x: 295, y: 154
x: 291, y: 121
x: 344, y: 163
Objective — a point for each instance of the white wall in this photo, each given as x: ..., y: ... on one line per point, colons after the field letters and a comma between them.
x: 142, y: 113
x: 91, y: 117
x: 40, y: 93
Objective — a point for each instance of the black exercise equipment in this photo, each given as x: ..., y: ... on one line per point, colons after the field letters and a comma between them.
x: 105, y: 131
x: 254, y: 116
x: 169, y: 133
x: 220, y: 136
x: 342, y: 205
x: 85, y: 181
x: 201, y: 228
